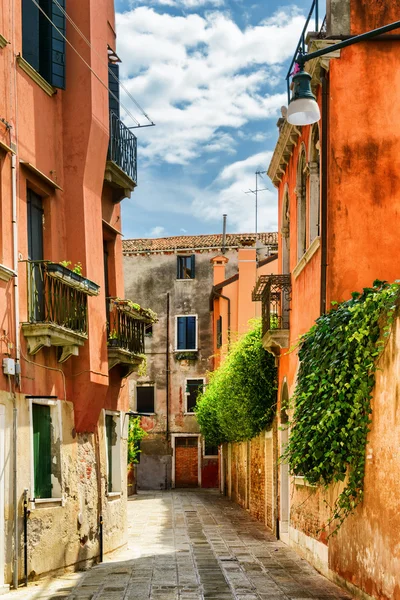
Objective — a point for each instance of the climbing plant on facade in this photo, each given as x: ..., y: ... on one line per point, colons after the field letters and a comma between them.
x: 240, y: 399
x: 332, y: 399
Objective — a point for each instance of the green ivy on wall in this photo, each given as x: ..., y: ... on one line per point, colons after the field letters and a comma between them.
x: 240, y: 399
x: 332, y: 399
x: 135, y: 434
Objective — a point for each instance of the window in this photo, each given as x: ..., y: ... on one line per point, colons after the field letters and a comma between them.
x: 113, y: 447
x: 148, y: 330
x: 186, y: 333
x: 186, y: 442
x: 210, y: 450
x: 301, y: 205
x: 314, y: 183
x: 42, y: 45
x: 219, y: 332
x: 185, y: 267
x: 193, y: 388
x: 145, y: 398
x: 46, y: 463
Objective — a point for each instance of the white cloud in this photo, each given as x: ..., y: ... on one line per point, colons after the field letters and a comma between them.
x: 186, y: 4
x: 157, y: 231
x: 201, y: 78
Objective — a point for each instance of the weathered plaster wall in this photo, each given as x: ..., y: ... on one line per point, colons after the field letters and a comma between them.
x: 81, y: 474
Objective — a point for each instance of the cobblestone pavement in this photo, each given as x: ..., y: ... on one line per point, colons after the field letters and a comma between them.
x: 192, y: 545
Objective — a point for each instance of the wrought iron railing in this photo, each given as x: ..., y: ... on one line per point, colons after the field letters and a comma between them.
x: 52, y: 300
x: 274, y: 291
x: 301, y: 46
x: 124, y: 329
x: 122, y: 148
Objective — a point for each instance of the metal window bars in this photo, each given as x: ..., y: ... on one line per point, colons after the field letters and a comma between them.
x: 124, y: 330
x: 52, y: 300
x: 274, y: 291
x: 122, y: 147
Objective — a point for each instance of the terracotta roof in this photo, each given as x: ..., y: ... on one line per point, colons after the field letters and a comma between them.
x: 192, y: 242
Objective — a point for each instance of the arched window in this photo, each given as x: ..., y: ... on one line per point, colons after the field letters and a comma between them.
x: 285, y: 232
x: 301, y: 190
x: 314, y: 165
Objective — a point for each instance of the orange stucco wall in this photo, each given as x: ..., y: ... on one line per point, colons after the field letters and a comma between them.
x: 64, y: 136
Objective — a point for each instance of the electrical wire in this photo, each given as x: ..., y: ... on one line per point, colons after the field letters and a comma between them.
x: 86, y: 63
x: 31, y: 362
x: 75, y: 26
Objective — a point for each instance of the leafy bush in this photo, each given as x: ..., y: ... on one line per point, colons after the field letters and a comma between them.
x: 332, y: 399
x: 135, y: 434
x: 240, y: 399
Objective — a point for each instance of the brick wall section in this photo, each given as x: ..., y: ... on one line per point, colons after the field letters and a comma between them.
x: 186, y: 466
x: 239, y: 473
x: 269, y: 478
x: 257, y: 477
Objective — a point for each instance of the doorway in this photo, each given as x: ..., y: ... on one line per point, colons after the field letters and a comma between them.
x: 186, y: 461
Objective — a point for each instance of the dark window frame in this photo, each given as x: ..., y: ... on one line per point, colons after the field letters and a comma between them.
x: 146, y: 386
x: 186, y: 340
x: 185, y: 266
x: 188, y: 393
x: 208, y: 454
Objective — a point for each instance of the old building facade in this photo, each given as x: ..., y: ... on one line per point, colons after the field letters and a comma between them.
x: 179, y: 276
x: 336, y: 236
x: 65, y: 334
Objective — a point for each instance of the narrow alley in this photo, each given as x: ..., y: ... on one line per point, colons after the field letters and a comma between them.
x: 192, y: 545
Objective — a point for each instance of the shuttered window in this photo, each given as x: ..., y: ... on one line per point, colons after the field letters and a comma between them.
x: 110, y: 426
x: 193, y: 388
x: 43, y: 46
x: 186, y: 333
x: 219, y: 332
x: 113, y: 86
x: 42, y: 450
x: 186, y: 267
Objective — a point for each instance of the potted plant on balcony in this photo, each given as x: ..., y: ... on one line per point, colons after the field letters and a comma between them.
x: 113, y: 338
x: 72, y: 277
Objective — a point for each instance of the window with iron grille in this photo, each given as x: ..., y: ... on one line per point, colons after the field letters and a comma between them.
x: 186, y: 267
x: 186, y: 332
x: 43, y: 46
x: 145, y: 398
x: 193, y: 388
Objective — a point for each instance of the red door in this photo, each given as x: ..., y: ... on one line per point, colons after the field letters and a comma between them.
x: 186, y: 462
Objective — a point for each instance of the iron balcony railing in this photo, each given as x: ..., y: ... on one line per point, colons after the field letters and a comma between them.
x: 122, y: 148
x: 274, y: 291
x: 52, y: 300
x: 301, y: 46
x: 124, y: 329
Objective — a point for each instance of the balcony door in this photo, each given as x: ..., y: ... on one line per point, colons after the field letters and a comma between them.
x: 35, y: 253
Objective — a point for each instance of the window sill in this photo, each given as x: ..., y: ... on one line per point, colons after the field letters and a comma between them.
x: 35, y: 76
x: 114, y: 495
x: 187, y: 279
x: 301, y: 481
x: 189, y: 413
x: 6, y: 273
x: 43, y: 502
x: 305, y: 259
x: 146, y: 414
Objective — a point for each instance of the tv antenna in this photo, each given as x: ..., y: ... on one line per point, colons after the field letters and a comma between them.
x: 255, y: 192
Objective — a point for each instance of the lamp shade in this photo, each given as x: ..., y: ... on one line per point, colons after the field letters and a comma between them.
x: 303, y: 111
x: 303, y: 108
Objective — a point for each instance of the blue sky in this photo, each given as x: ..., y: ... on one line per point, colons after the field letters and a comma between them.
x: 210, y: 74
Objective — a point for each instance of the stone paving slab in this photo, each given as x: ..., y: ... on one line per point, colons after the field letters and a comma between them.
x: 191, y: 545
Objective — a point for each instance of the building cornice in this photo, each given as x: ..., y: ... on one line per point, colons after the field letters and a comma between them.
x: 289, y: 134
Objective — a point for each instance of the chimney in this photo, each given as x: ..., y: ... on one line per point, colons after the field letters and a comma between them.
x: 219, y: 263
x: 247, y: 263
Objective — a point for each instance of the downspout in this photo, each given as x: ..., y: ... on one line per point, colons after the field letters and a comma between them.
x: 17, y: 363
x: 167, y: 374
x: 324, y: 191
x: 229, y: 313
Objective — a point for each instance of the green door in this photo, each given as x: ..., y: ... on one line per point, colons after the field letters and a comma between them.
x: 109, y: 436
x: 42, y: 450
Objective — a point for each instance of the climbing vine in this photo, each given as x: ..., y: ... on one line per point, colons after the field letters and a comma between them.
x: 240, y: 399
x: 332, y: 399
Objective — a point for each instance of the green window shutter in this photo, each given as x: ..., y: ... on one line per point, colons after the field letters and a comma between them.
x: 113, y: 87
x: 109, y: 437
x: 42, y: 450
x: 57, y: 51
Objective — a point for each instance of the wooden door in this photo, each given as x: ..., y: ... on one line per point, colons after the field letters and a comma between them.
x: 186, y: 462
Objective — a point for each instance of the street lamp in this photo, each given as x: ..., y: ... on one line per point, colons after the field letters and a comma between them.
x: 303, y: 108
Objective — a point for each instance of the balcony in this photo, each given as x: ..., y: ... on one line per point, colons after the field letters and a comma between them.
x: 126, y: 328
x: 57, y: 308
x: 121, y: 166
x: 274, y: 291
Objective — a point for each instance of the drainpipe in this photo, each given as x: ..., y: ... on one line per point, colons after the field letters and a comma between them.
x: 218, y: 295
x: 17, y: 363
x: 26, y: 515
x: 167, y: 373
x: 324, y: 191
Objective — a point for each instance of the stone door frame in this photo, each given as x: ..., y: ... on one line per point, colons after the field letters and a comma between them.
x: 173, y: 438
